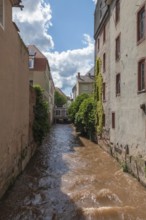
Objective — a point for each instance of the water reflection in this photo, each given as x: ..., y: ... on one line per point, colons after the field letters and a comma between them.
x: 66, y: 181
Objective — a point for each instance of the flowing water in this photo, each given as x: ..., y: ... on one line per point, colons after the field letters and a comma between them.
x: 68, y: 181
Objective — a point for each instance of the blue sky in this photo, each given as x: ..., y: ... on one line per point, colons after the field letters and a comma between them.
x: 71, y: 19
x: 63, y: 31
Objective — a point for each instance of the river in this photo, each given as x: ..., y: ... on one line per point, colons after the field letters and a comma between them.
x: 66, y: 180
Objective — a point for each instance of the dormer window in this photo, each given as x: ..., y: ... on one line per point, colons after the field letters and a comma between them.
x: 31, y: 58
x: 2, y: 13
x: 31, y: 62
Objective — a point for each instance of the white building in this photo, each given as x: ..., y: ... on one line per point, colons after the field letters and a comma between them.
x: 120, y: 32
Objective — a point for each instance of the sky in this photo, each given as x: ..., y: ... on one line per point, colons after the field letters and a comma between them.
x: 63, y: 31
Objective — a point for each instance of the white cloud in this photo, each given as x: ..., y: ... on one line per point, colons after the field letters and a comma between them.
x: 34, y: 22
x: 95, y: 1
x: 66, y: 65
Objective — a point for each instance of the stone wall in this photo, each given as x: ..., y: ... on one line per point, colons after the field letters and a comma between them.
x: 135, y: 165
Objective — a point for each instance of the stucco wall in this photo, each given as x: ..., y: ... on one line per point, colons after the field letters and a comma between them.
x: 43, y: 79
x: 14, y: 98
x: 130, y: 119
x: 127, y: 141
x: 86, y: 88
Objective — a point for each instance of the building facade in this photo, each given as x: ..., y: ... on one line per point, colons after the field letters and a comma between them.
x: 84, y: 84
x: 120, y: 32
x: 40, y: 74
x: 14, y: 96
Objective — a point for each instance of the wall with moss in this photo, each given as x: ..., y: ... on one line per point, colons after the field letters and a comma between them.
x: 98, y: 97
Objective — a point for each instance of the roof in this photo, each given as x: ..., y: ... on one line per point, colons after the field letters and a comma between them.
x: 41, y: 61
x: 40, y: 64
x: 90, y: 72
x: 85, y: 79
x: 16, y: 3
x: 34, y: 50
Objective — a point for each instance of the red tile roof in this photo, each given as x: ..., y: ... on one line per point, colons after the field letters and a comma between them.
x: 40, y: 64
x: 40, y: 61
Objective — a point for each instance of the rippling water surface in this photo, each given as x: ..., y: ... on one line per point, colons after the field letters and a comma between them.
x: 68, y: 181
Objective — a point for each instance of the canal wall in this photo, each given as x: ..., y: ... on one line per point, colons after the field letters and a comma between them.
x: 17, y: 145
x: 135, y: 165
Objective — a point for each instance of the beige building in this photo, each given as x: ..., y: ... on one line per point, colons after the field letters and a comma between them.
x: 40, y: 74
x: 14, y: 98
x: 84, y: 84
x: 60, y: 111
x: 120, y: 32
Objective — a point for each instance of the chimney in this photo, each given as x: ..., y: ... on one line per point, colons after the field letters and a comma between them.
x: 78, y: 74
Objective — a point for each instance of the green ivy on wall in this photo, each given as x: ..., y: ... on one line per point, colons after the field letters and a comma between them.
x: 41, y: 113
x: 98, y: 97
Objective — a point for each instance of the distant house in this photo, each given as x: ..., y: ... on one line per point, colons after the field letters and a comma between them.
x: 60, y: 111
x: 14, y: 98
x: 40, y: 74
x: 84, y: 84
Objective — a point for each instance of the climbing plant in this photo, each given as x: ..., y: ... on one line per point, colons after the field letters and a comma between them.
x: 85, y: 117
x: 98, y: 97
x: 41, y: 113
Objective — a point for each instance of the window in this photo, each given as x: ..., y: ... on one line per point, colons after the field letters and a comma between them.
x: 31, y: 62
x: 117, y: 48
x: 31, y: 82
x: 117, y: 11
x: 113, y: 120
x: 98, y: 43
x: 103, y: 120
x: 118, y: 79
x: 1, y: 12
x: 141, y: 75
x: 104, y: 91
x: 141, y: 24
x: 57, y: 112
x: 104, y: 62
x: 104, y: 34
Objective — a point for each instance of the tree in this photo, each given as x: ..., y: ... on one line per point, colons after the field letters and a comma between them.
x: 60, y: 99
x: 41, y: 120
x: 85, y: 117
x: 75, y: 105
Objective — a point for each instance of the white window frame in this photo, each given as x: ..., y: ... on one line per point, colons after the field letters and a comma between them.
x: 31, y: 62
x: 3, y: 12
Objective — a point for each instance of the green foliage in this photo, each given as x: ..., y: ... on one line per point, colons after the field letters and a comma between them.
x: 85, y: 117
x: 59, y: 99
x: 98, y: 97
x: 72, y: 111
x: 75, y: 105
x: 41, y: 120
x: 124, y: 167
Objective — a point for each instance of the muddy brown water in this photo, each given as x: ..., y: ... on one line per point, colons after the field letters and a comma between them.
x: 68, y: 181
